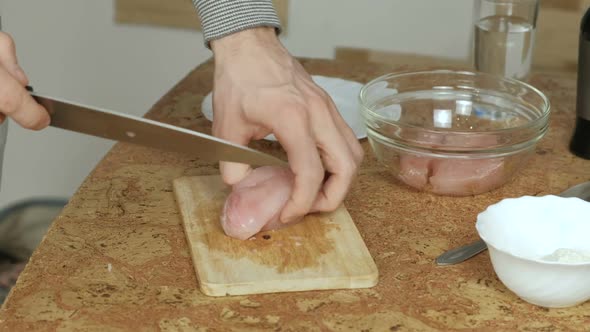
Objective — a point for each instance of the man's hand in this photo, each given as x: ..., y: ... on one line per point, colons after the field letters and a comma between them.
x: 15, y: 100
x: 260, y: 89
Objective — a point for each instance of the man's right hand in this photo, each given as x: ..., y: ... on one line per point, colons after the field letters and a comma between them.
x: 15, y: 101
x: 259, y: 89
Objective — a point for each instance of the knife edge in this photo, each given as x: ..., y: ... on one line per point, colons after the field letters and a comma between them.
x: 116, y: 126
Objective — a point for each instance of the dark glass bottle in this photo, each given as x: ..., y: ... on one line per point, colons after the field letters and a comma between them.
x: 580, y: 144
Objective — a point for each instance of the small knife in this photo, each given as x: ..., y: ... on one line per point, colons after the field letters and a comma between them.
x: 125, y: 128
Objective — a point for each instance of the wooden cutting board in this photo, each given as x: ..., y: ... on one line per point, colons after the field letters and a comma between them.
x: 322, y: 252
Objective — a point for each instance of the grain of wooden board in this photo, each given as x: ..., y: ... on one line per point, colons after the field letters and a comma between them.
x: 323, y: 252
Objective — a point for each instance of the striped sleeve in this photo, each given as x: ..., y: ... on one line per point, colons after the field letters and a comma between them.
x: 220, y: 18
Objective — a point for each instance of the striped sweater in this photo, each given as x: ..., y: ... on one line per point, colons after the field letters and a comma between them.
x: 220, y: 18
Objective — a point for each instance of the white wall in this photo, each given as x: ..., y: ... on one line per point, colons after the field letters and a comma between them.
x: 430, y: 27
x: 72, y: 49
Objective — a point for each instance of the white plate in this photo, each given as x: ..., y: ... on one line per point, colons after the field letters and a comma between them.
x: 344, y: 94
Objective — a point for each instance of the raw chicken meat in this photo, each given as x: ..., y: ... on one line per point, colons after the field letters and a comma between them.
x: 256, y: 202
x: 466, y: 177
x: 451, y: 177
x: 454, y: 176
x: 414, y: 171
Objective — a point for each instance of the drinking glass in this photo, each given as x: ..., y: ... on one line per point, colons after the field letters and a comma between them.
x: 505, y: 36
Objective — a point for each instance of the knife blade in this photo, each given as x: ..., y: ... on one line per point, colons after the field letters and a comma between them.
x: 126, y: 128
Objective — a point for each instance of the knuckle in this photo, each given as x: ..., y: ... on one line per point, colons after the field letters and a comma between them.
x: 359, y: 153
x: 6, y: 42
x: 297, y: 112
x: 312, y: 178
x: 349, y: 168
x: 318, y: 102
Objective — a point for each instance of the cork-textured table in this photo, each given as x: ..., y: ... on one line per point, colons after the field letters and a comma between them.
x: 117, y: 258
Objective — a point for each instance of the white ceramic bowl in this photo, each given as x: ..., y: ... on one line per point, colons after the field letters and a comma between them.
x: 525, y: 237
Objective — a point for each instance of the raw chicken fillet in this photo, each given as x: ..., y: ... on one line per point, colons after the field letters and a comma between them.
x: 256, y: 202
x: 452, y: 177
x: 455, y: 177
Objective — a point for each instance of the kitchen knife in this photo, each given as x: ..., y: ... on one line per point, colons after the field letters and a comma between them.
x: 125, y: 128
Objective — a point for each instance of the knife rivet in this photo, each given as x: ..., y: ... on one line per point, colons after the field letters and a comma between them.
x: 130, y: 134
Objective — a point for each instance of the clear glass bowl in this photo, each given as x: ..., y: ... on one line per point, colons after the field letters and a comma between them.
x: 453, y: 132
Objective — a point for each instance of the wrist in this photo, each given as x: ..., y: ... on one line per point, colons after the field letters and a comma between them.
x: 236, y: 42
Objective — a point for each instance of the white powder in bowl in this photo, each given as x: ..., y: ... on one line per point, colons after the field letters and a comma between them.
x: 563, y: 255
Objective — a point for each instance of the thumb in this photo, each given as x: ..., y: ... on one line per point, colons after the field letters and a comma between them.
x: 8, y: 59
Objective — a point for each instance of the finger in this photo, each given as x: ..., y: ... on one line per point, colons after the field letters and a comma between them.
x: 231, y: 172
x: 346, y: 131
x: 297, y: 139
x: 338, y: 160
x: 17, y: 103
x: 8, y: 59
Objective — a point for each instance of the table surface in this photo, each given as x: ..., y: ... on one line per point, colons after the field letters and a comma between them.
x: 117, y: 258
